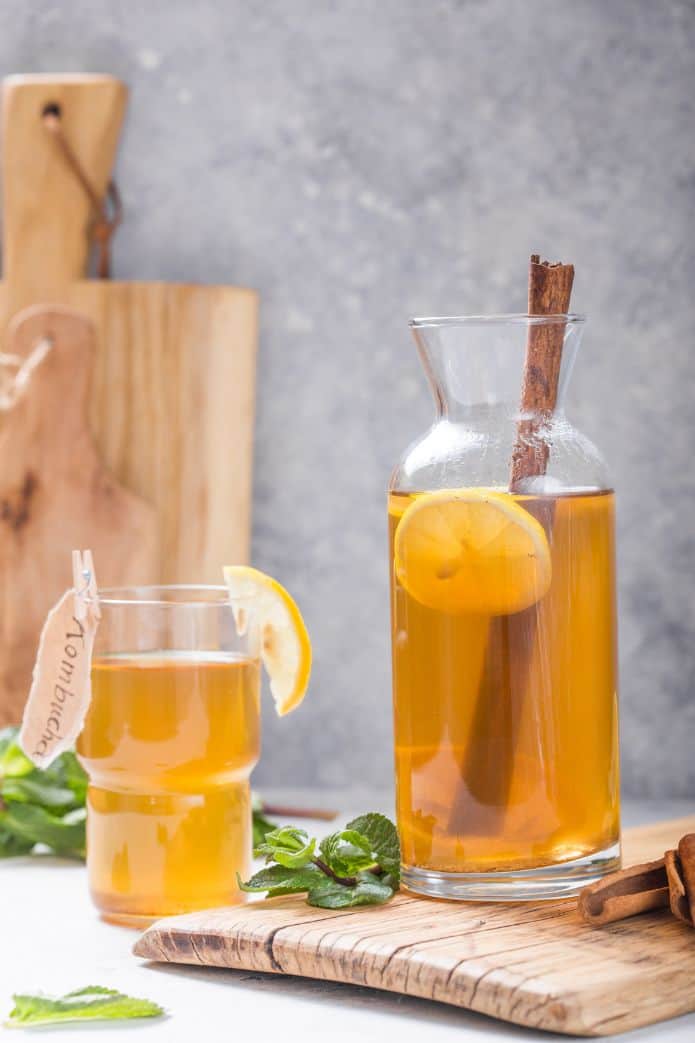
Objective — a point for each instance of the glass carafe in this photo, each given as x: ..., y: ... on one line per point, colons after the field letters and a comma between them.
x: 503, y: 628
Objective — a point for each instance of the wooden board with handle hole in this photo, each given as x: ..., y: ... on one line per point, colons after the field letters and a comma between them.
x: 534, y: 963
x: 171, y: 398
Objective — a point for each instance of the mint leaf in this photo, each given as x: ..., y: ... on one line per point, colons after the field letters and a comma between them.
x: 283, y: 880
x: 33, y: 803
x: 30, y: 790
x: 40, y: 807
x: 12, y: 845
x: 67, y: 771
x: 33, y: 824
x: 347, y: 852
x: 383, y: 836
x: 261, y: 825
x: 369, y: 890
x: 13, y: 761
x: 92, y: 1003
x: 289, y: 846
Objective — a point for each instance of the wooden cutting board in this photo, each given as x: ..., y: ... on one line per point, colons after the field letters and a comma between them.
x: 171, y: 399
x: 535, y: 964
x: 52, y: 479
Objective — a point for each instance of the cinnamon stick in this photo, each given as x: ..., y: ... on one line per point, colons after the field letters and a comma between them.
x: 549, y: 291
x: 680, y: 870
x: 625, y: 893
x: 686, y: 855
x: 677, y: 896
x: 666, y: 882
x: 489, y: 759
x: 290, y: 813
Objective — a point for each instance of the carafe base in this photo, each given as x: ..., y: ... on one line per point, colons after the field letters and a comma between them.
x: 546, y: 883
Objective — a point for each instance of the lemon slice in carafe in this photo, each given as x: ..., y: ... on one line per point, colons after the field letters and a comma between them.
x: 472, y: 551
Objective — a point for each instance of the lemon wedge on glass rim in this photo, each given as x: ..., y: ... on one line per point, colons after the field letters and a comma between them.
x: 472, y: 551
x: 285, y: 644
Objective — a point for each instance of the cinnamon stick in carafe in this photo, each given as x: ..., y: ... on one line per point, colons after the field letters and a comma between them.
x: 550, y: 288
x: 489, y: 760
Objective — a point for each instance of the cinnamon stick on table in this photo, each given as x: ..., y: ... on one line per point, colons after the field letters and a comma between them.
x: 625, y: 893
x: 488, y: 763
x: 288, y: 813
x: 680, y: 871
x: 668, y: 881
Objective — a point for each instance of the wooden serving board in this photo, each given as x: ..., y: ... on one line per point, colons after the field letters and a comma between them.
x: 535, y: 964
x: 171, y: 398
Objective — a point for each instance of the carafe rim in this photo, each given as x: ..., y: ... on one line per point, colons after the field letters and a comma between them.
x: 509, y: 318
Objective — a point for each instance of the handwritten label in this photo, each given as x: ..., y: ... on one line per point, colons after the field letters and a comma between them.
x: 61, y: 686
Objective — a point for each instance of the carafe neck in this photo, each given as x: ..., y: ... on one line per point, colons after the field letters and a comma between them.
x: 479, y: 366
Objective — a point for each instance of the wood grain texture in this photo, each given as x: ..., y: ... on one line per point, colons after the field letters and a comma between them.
x: 56, y: 494
x: 46, y: 214
x: 172, y: 410
x: 535, y: 964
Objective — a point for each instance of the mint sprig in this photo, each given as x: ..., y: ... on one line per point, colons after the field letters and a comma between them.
x: 358, y: 865
x: 93, y: 1003
x: 40, y: 807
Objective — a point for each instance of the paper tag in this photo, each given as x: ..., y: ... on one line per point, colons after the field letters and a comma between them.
x: 61, y: 684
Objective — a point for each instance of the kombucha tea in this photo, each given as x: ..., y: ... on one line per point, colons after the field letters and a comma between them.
x: 506, y: 738
x: 169, y: 742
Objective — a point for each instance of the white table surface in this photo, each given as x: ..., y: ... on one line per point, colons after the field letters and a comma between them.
x: 52, y: 941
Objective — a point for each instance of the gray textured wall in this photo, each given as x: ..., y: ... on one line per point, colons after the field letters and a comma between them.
x: 359, y: 162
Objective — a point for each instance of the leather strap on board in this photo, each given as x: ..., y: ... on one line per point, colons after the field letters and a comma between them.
x: 107, y: 216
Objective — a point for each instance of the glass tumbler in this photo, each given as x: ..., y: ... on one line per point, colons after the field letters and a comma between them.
x: 169, y: 741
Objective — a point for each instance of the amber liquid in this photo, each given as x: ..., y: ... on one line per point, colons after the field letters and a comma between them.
x: 506, y: 737
x: 169, y: 743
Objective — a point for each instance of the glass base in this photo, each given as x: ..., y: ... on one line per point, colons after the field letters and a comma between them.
x: 136, y: 921
x: 120, y: 913
x: 562, y: 880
